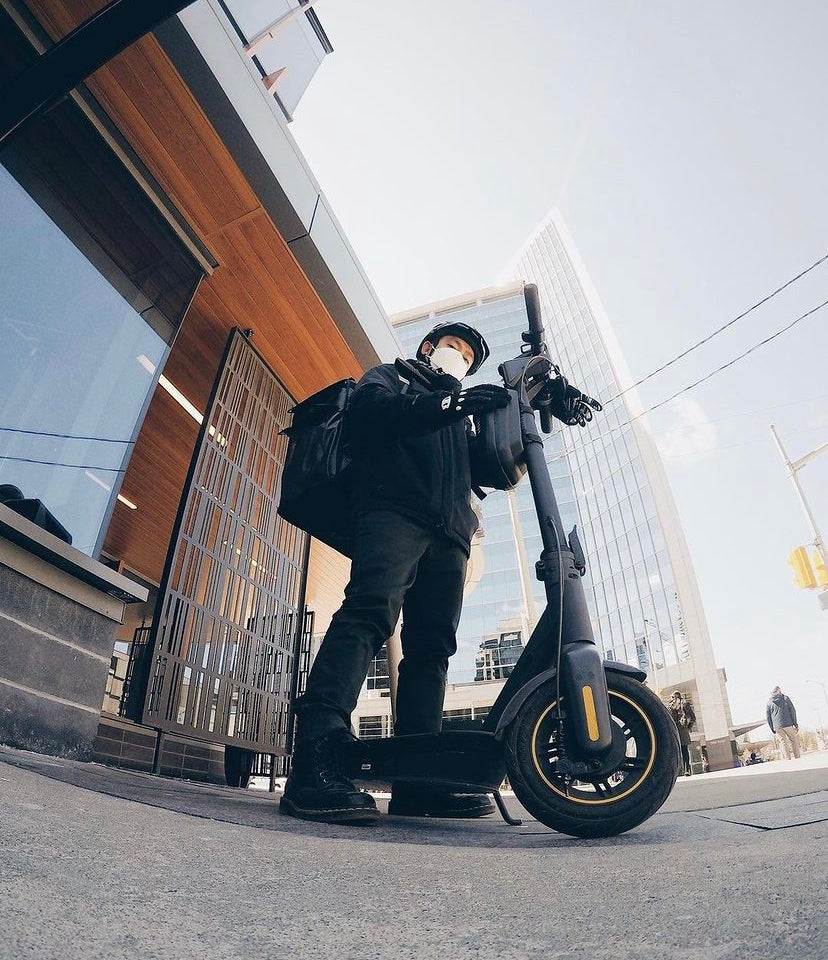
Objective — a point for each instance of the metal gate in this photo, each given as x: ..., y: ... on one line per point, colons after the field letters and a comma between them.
x: 228, y: 621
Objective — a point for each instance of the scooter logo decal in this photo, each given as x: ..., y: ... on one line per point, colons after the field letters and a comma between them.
x: 365, y: 766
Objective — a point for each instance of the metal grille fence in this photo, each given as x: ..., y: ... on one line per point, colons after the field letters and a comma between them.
x: 135, y: 682
x: 229, y: 623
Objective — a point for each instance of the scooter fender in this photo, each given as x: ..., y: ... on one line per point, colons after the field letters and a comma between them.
x: 522, y: 695
x: 585, y: 688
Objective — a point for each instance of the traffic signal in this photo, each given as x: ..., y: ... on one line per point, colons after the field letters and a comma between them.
x: 819, y: 570
x: 804, y: 575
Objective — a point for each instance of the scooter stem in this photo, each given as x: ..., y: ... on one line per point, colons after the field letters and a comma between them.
x: 560, y: 567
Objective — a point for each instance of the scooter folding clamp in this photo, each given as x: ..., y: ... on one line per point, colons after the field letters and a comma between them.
x: 577, y: 551
x: 548, y: 569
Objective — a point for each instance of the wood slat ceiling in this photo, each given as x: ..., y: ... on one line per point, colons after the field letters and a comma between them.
x: 258, y: 283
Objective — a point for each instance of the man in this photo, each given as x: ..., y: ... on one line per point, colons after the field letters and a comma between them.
x: 414, y: 523
x: 684, y: 717
x: 781, y: 716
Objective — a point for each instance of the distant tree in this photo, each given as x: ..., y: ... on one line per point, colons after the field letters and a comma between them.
x: 808, y: 740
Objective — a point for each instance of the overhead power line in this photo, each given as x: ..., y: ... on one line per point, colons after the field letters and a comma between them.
x: 741, y: 356
x: 744, y: 443
x: 62, y: 436
x: 53, y: 463
x: 753, y: 413
x: 722, y: 328
x: 712, y: 373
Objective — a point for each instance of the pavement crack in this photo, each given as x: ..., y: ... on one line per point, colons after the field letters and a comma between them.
x: 761, y: 826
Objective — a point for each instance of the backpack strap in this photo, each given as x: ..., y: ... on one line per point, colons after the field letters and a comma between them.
x: 407, y: 374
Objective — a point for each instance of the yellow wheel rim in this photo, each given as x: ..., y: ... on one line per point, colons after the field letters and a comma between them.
x: 602, y: 800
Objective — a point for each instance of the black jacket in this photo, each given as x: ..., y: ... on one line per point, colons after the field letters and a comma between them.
x: 421, y: 473
x: 684, y: 717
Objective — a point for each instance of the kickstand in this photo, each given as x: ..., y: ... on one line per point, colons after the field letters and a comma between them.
x: 501, y: 806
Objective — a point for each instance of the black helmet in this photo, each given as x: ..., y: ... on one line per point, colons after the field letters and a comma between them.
x: 464, y: 332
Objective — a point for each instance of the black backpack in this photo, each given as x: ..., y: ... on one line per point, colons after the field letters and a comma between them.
x: 317, y: 481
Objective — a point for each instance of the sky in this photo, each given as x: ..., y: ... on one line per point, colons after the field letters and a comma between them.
x: 686, y: 148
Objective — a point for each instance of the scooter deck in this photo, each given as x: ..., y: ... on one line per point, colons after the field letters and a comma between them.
x: 468, y: 760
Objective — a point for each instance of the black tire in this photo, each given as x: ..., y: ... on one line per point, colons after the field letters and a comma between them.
x: 623, y: 797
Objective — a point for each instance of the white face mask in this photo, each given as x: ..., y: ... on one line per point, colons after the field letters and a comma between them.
x: 450, y: 361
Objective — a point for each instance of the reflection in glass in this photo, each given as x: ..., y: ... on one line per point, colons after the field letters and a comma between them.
x: 92, y: 286
x: 77, y: 360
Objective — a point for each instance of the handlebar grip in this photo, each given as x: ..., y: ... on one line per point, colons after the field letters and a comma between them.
x: 533, y: 312
x: 545, y: 419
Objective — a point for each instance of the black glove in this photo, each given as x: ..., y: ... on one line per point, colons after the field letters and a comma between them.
x: 568, y: 404
x: 437, y: 409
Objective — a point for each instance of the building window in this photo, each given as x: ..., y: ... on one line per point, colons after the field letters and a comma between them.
x: 465, y: 714
x: 93, y: 283
x: 372, y: 728
x: 378, y: 674
x: 497, y: 657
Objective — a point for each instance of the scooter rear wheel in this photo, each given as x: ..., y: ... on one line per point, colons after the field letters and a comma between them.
x: 619, y: 796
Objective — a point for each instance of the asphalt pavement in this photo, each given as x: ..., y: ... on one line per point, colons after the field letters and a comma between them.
x: 101, y: 863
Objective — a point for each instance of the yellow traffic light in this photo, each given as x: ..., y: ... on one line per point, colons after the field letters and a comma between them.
x: 804, y: 575
x: 820, y: 571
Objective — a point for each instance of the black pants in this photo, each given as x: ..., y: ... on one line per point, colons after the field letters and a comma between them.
x: 397, y: 565
x: 685, y: 756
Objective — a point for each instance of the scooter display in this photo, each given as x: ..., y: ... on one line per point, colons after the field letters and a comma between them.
x: 588, y: 749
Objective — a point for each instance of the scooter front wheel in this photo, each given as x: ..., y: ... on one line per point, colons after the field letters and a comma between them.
x: 617, y: 794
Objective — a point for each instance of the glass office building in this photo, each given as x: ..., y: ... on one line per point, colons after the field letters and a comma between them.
x: 641, y: 587
x: 599, y: 480
x: 609, y: 480
x: 632, y: 593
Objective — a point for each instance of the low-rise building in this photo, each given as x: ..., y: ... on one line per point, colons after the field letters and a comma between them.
x: 172, y: 282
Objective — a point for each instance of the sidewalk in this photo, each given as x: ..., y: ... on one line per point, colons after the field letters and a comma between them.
x: 96, y: 862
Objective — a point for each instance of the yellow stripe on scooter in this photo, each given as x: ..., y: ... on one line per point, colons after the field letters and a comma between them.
x: 591, y: 715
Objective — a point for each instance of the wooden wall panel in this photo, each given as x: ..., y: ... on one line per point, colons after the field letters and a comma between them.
x: 154, y: 482
x: 258, y: 283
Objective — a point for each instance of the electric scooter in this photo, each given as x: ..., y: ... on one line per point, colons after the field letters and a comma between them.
x: 589, y: 750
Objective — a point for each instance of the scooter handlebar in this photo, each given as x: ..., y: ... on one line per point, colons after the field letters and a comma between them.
x: 536, y: 337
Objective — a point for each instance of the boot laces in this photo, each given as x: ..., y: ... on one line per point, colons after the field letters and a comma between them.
x: 327, y: 766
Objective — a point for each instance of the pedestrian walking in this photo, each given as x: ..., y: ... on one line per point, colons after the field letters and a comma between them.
x: 781, y: 716
x: 684, y: 717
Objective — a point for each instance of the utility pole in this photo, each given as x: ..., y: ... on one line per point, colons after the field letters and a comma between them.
x: 793, y: 467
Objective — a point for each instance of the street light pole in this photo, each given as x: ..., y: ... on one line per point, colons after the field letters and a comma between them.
x: 824, y: 689
x: 819, y: 737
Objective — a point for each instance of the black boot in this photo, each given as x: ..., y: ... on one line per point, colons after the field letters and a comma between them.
x: 316, y: 790
x: 418, y: 800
